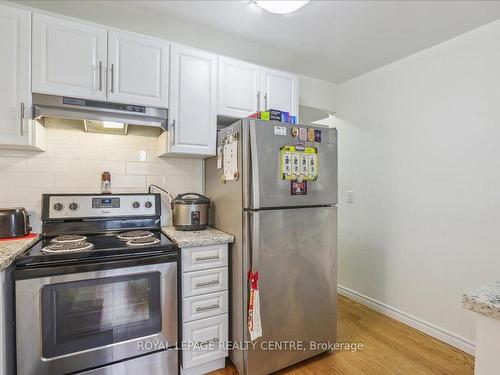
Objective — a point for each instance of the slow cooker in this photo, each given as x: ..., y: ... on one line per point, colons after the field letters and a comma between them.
x: 190, y: 211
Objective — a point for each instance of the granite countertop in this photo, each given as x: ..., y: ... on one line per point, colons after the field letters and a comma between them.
x: 10, y: 249
x: 205, y: 237
x: 485, y: 300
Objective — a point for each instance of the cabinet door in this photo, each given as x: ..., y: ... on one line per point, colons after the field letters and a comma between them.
x: 193, y: 101
x: 69, y: 58
x: 137, y: 69
x: 238, y: 89
x: 15, y: 93
x: 280, y: 90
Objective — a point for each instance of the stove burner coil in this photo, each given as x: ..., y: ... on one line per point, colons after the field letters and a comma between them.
x: 135, y: 234
x: 68, y: 238
x: 143, y: 242
x: 67, y: 247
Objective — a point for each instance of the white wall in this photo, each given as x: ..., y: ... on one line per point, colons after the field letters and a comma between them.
x: 419, y: 146
x: 74, y: 161
x: 317, y: 93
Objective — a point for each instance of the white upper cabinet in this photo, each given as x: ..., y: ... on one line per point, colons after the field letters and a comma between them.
x: 69, y: 58
x: 16, y: 130
x: 239, y: 88
x: 279, y: 90
x: 192, y: 124
x: 137, y: 69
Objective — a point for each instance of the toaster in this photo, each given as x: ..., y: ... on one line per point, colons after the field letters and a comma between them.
x: 14, y: 222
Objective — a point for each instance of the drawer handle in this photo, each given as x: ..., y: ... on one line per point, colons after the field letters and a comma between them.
x: 206, y: 283
x: 208, y: 307
x: 211, y: 257
x: 215, y: 339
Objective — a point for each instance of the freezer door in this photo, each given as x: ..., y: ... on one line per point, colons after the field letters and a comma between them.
x: 294, y: 251
x: 267, y: 188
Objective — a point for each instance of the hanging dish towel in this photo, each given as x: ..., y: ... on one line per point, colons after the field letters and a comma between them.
x: 254, y: 323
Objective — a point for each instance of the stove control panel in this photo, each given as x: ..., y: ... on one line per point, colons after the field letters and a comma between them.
x: 83, y: 206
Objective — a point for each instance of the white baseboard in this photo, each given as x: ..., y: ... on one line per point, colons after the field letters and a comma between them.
x: 419, y: 324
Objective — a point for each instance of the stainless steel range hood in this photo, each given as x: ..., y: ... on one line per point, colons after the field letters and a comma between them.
x: 85, y: 109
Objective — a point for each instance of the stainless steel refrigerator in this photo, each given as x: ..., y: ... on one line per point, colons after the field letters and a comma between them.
x: 289, y: 239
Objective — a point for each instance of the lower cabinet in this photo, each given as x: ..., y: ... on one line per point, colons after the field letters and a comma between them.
x: 204, y: 308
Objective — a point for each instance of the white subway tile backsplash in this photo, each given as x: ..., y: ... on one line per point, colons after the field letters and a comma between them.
x: 74, y: 161
x: 155, y: 169
x: 54, y: 165
x: 193, y: 180
x: 95, y: 139
x: 24, y: 180
x: 13, y: 164
x: 77, y: 181
x: 176, y: 167
x: 98, y: 166
x: 79, y: 152
x: 63, y: 136
x: 167, y: 182
x: 12, y: 196
x: 128, y: 181
x: 125, y: 154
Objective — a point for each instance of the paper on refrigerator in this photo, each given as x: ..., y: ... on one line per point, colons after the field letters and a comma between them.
x: 230, y: 160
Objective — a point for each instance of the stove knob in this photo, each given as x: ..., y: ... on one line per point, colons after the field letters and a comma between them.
x: 136, y: 204
x: 58, y: 206
x: 73, y: 206
x: 148, y: 204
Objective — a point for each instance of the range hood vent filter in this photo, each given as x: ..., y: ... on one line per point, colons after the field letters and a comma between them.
x: 96, y: 111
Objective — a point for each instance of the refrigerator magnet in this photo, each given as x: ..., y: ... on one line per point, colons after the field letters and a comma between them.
x: 310, y: 135
x: 287, y: 168
x: 303, y: 134
x: 279, y: 130
x: 298, y: 188
x: 219, y: 157
x: 295, y: 164
x: 317, y: 135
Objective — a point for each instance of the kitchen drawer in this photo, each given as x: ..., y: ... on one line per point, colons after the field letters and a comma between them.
x: 203, y: 257
x: 204, y: 306
x: 202, y: 282
x: 208, y: 337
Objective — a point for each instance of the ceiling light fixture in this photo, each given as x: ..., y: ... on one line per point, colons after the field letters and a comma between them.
x: 280, y: 6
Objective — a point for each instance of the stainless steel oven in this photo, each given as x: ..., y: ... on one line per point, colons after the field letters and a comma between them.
x: 86, y: 316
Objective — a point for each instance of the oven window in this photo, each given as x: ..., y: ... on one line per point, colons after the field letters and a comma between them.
x: 88, y: 314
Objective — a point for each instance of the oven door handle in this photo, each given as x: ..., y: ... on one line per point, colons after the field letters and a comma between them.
x: 56, y: 269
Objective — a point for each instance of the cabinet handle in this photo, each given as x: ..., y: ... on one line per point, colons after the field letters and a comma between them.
x: 206, y: 308
x: 206, y: 283
x: 173, y: 133
x: 22, y: 118
x: 211, y: 257
x: 215, y: 339
x: 112, y: 78
x: 258, y: 101
x: 100, y: 75
x: 265, y: 101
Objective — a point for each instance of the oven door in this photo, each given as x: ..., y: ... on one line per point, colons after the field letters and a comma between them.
x: 76, y: 321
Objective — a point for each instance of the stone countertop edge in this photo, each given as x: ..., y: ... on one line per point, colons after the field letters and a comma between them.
x: 205, y: 237
x: 485, y: 300
x: 11, y: 249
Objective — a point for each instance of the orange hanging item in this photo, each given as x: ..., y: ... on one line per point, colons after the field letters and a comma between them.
x: 254, y: 323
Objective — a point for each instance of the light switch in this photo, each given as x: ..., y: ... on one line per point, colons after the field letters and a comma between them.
x: 350, y: 196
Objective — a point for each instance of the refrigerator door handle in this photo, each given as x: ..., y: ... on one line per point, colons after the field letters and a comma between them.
x: 255, y: 193
x: 254, y: 249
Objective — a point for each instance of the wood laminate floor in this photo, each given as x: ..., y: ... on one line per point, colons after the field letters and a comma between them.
x: 390, y: 347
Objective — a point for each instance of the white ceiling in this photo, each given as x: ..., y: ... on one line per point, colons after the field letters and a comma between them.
x: 331, y: 40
